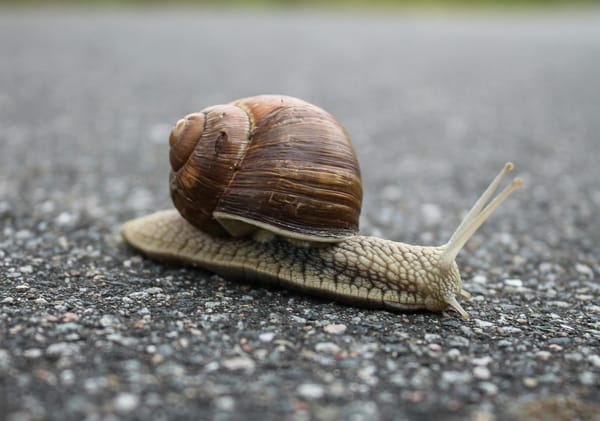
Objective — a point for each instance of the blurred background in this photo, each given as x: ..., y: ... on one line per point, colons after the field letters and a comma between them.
x: 321, y: 3
x: 419, y: 81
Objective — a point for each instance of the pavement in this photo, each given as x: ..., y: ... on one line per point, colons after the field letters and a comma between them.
x: 90, y: 329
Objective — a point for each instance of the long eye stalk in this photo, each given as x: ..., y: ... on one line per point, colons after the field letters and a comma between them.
x: 479, y: 213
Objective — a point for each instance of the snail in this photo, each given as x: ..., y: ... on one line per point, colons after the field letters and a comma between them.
x: 268, y: 188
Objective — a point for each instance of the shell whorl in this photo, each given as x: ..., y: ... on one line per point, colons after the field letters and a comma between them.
x: 272, y: 162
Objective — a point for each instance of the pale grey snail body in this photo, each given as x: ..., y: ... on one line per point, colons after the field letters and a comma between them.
x: 258, y: 232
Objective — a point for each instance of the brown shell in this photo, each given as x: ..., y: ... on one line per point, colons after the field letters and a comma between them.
x: 271, y: 162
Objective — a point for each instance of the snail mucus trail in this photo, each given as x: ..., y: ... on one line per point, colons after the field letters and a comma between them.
x: 243, y: 227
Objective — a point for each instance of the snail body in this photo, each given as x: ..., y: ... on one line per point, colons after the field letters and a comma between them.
x: 243, y: 217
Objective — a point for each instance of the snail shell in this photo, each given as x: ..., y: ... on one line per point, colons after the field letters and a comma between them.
x: 266, y: 162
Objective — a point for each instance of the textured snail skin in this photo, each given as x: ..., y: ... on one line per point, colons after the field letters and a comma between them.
x: 362, y: 270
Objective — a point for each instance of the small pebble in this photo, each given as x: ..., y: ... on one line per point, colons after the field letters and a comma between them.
x: 239, y: 363
x: 212, y: 366
x: 488, y: 388
x: 594, y: 360
x: 560, y: 341
x: 481, y: 373
x: 126, y: 402
x: 297, y: 319
x: 32, y: 353
x: 516, y: 283
x: 453, y: 354
x: 458, y: 341
x: 543, y: 355
x: 480, y: 279
x: 70, y: 317
x: 23, y: 235
x: 587, y: 378
x: 456, y: 377
x: 555, y: 347
x: 334, y: 329
x: 482, y: 360
x: 225, y: 403
x: 436, y: 348
x: 482, y: 323
x: 584, y: 270
x: 574, y: 356
x: 266, y: 336
x: 26, y: 269
x: 432, y: 337
x: 327, y: 347
x: 311, y: 391
x: 108, y: 320
x: 530, y: 382
x: 482, y: 415
x: 64, y: 219
x: 60, y: 349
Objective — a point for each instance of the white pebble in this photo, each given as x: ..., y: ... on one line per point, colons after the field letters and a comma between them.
x: 482, y: 373
x: 266, y: 336
x: 298, y: 319
x: 517, y: 283
x: 594, y: 359
x: 107, y: 320
x: 26, y: 269
x: 587, y: 378
x: 32, y: 353
x: 239, y: 363
x: 327, y: 347
x: 543, y: 355
x: 584, y: 270
x: 482, y: 323
x: 64, y: 219
x: 211, y: 366
x: 311, y: 391
x: 22, y: 287
x: 482, y: 360
x: 126, y: 402
x: 489, y: 388
x: 479, y: 279
x: 225, y: 403
x: 335, y: 329
x: 453, y: 354
x: 456, y: 377
x: 23, y: 234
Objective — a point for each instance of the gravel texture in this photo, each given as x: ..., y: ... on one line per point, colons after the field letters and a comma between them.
x: 91, y: 330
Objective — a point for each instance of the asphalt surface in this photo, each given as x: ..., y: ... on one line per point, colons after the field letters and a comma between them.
x: 435, y: 105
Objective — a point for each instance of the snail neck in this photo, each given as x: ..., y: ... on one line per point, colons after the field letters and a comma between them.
x: 417, y: 270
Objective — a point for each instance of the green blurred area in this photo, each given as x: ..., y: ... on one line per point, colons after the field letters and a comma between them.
x: 416, y: 4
